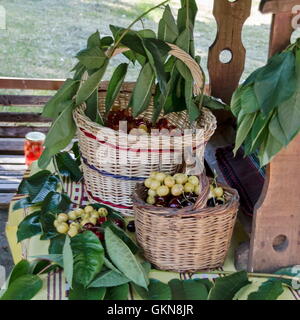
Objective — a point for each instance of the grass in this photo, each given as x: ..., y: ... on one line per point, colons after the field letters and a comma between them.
x: 43, y: 36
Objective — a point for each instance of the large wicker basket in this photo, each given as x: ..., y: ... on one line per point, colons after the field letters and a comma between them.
x: 111, y: 180
x: 185, y: 240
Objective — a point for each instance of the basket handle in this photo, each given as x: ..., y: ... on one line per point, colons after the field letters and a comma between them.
x: 193, y: 66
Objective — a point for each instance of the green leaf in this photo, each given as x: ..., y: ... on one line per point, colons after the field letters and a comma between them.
x: 88, y: 257
x: 57, y: 258
x: 56, y: 202
x: 193, y: 289
x: 213, y: 103
x: 142, y: 91
x: 131, y: 40
x: 269, y: 149
x: 193, y: 109
x: 114, y: 85
x: 50, y: 185
x: 243, y: 130
x: 276, y: 83
x: 289, y: 115
x: 90, y: 85
x: 29, y: 227
x: 48, y: 228
x: 187, y: 15
x: 156, y: 52
x: 94, y: 40
x: 68, y: 261
x: 226, y: 288
x: 60, y: 134
x: 33, y: 184
x: 147, y: 33
x: 22, y: 203
x: 249, y: 101
x: 109, y: 279
x: 167, y: 28
x: 183, y: 40
x: 110, y: 266
x: 79, y: 292
x: 117, y: 293
x: 56, y: 104
x: 21, y: 269
x: 57, y: 244
x: 123, y: 259
x: 259, y: 131
x: 157, y: 105
x: 123, y: 236
x: 186, y: 21
x: 42, y: 267
x: 92, y: 58
x: 276, y: 129
x: 92, y: 110
x: 236, y: 103
x: 251, y: 79
x: 157, y: 290
x: 68, y: 166
x: 23, y: 288
x: 106, y: 42
x: 269, y: 290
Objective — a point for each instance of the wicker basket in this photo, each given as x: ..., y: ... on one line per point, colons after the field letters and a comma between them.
x: 113, y: 163
x: 185, y: 240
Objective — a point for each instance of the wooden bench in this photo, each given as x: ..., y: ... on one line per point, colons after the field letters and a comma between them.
x: 15, y: 125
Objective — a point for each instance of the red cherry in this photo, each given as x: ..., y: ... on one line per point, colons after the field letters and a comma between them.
x: 101, y: 220
x: 119, y: 223
x: 100, y: 235
x: 162, y: 123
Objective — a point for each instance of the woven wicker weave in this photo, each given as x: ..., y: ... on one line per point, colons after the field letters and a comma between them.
x: 185, y: 240
x: 113, y: 166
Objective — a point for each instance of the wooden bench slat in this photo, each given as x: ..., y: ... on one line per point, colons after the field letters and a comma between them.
x: 10, y: 159
x: 5, y: 199
x: 23, y: 101
x: 12, y: 167
x: 30, y: 84
x: 10, y: 179
x: 9, y: 188
x: 22, y: 117
x: 11, y: 145
x: 20, y: 131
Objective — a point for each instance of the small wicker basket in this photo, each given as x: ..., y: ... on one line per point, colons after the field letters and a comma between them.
x: 110, y: 180
x: 185, y: 240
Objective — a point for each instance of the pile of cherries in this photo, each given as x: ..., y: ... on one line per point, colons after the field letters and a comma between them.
x: 138, y: 126
x: 177, y: 191
x: 82, y: 219
x: 216, y: 195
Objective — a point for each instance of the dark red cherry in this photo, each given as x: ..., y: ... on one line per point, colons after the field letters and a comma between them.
x: 161, y: 201
x: 131, y: 226
x: 101, y: 220
x: 211, y: 202
x: 119, y: 223
x: 175, y: 203
x: 100, y: 235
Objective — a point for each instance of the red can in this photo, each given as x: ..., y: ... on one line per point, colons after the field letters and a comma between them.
x: 33, y: 146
